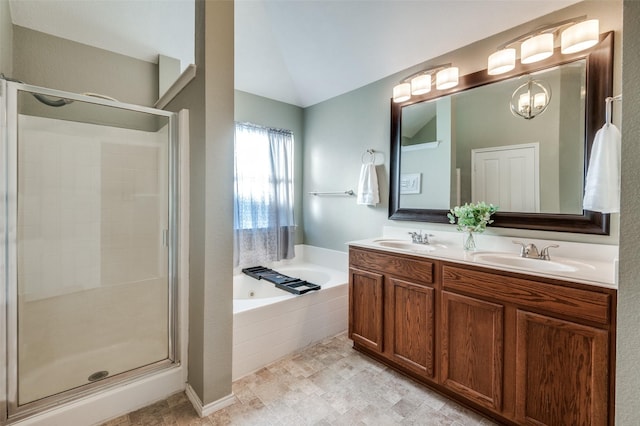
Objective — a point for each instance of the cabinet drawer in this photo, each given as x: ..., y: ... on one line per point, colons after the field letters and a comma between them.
x: 577, y: 303
x: 414, y: 269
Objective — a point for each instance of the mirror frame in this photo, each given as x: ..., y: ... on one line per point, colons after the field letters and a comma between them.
x: 599, y: 85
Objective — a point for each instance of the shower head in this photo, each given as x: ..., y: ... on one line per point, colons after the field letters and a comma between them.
x: 42, y: 98
x: 57, y: 102
x: 52, y: 102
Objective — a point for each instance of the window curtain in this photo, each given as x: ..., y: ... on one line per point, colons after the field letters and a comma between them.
x: 264, y: 227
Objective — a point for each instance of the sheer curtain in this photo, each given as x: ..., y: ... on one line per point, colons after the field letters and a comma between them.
x: 264, y: 226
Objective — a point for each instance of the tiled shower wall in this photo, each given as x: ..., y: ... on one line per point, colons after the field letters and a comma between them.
x: 91, y: 206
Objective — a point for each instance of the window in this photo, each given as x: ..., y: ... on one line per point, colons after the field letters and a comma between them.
x: 264, y: 226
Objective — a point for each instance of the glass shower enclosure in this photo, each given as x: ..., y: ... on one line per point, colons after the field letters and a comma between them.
x: 88, y: 245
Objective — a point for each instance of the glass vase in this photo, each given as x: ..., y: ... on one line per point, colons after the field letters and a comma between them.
x: 469, y: 241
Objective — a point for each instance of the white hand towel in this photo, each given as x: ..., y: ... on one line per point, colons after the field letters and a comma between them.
x: 602, y: 186
x: 368, y: 186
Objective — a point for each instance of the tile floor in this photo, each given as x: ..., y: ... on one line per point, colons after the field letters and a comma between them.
x: 325, y: 384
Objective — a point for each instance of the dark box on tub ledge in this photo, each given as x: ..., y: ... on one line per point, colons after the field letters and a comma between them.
x: 283, y: 282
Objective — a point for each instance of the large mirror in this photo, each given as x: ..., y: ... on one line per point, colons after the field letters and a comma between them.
x: 467, y: 145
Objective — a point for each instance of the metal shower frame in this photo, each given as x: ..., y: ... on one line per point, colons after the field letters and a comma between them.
x: 10, y: 411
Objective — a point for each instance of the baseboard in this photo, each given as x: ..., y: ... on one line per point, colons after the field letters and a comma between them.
x: 212, y: 407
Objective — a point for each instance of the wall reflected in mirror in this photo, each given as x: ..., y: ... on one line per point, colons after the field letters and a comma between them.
x: 470, y: 147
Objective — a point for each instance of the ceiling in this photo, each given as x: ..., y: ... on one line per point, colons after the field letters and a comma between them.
x: 296, y: 51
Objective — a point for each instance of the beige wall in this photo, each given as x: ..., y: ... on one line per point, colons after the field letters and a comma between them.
x: 210, y: 99
x: 628, y: 349
x: 6, y: 39
x: 48, y: 61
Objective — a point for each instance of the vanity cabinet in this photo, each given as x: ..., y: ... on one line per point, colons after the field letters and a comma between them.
x: 561, y: 373
x: 411, y: 325
x: 521, y: 349
x: 558, y: 344
x: 472, y: 348
x: 402, y: 317
x: 365, y: 311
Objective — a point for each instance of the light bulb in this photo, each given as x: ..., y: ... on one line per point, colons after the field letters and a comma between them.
x: 539, y: 100
x: 536, y: 48
x: 580, y: 36
x: 401, y: 92
x: 447, y: 78
x: 421, y: 84
x: 501, y: 61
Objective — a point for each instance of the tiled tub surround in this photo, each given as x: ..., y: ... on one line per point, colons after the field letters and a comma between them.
x: 93, y: 289
x: 599, y: 260
x: 274, y: 323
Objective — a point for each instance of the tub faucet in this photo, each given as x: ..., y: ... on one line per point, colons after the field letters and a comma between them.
x: 419, y: 237
x: 531, y: 251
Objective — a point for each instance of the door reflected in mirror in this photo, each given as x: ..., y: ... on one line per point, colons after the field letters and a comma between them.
x: 470, y: 147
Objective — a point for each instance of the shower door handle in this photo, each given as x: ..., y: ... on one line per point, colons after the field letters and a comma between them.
x: 165, y: 238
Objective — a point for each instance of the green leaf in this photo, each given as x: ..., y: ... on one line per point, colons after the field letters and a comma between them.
x: 472, y: 217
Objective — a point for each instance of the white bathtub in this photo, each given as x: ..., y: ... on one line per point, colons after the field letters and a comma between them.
x: 269, y: 323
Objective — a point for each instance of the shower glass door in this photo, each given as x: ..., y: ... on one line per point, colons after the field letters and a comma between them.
x: 91, y: 262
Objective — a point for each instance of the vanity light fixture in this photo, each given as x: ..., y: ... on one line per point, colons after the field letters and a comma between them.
x: 530, y: 99
x: 420, y: 83
x: 577, y: 34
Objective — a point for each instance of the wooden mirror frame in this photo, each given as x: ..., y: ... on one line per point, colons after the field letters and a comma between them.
x: 599, y: 85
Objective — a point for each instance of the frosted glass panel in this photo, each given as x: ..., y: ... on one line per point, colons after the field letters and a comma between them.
x: 91, y: 264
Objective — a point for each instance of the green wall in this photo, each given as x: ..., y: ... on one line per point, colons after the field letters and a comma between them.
x: 337, y: 134
x: 339, y: 130
x: 428, y: 133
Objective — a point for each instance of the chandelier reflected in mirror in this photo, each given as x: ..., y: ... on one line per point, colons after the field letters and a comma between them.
x: 530, y: 99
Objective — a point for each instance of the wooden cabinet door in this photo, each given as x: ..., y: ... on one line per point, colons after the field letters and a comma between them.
x: 561, y: 372
x: 411, y: 312
x: 472, y: 348
x: 366, y: 308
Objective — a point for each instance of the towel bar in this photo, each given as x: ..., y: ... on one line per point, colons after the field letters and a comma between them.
x: 608, y: 102
x: 348, y: 193
x: 372, y: 156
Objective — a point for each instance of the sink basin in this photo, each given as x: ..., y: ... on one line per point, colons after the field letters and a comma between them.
x: 515, y: 261
x: 405, y: 246
x: 408, y: 246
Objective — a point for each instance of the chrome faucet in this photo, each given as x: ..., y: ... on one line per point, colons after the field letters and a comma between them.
x: 531, y: 251
x: 419, y: 237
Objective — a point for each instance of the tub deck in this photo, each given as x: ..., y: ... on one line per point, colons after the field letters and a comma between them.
x: 272, y: 323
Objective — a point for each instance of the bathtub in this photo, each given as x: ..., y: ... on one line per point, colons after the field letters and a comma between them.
x: 269, y: 323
